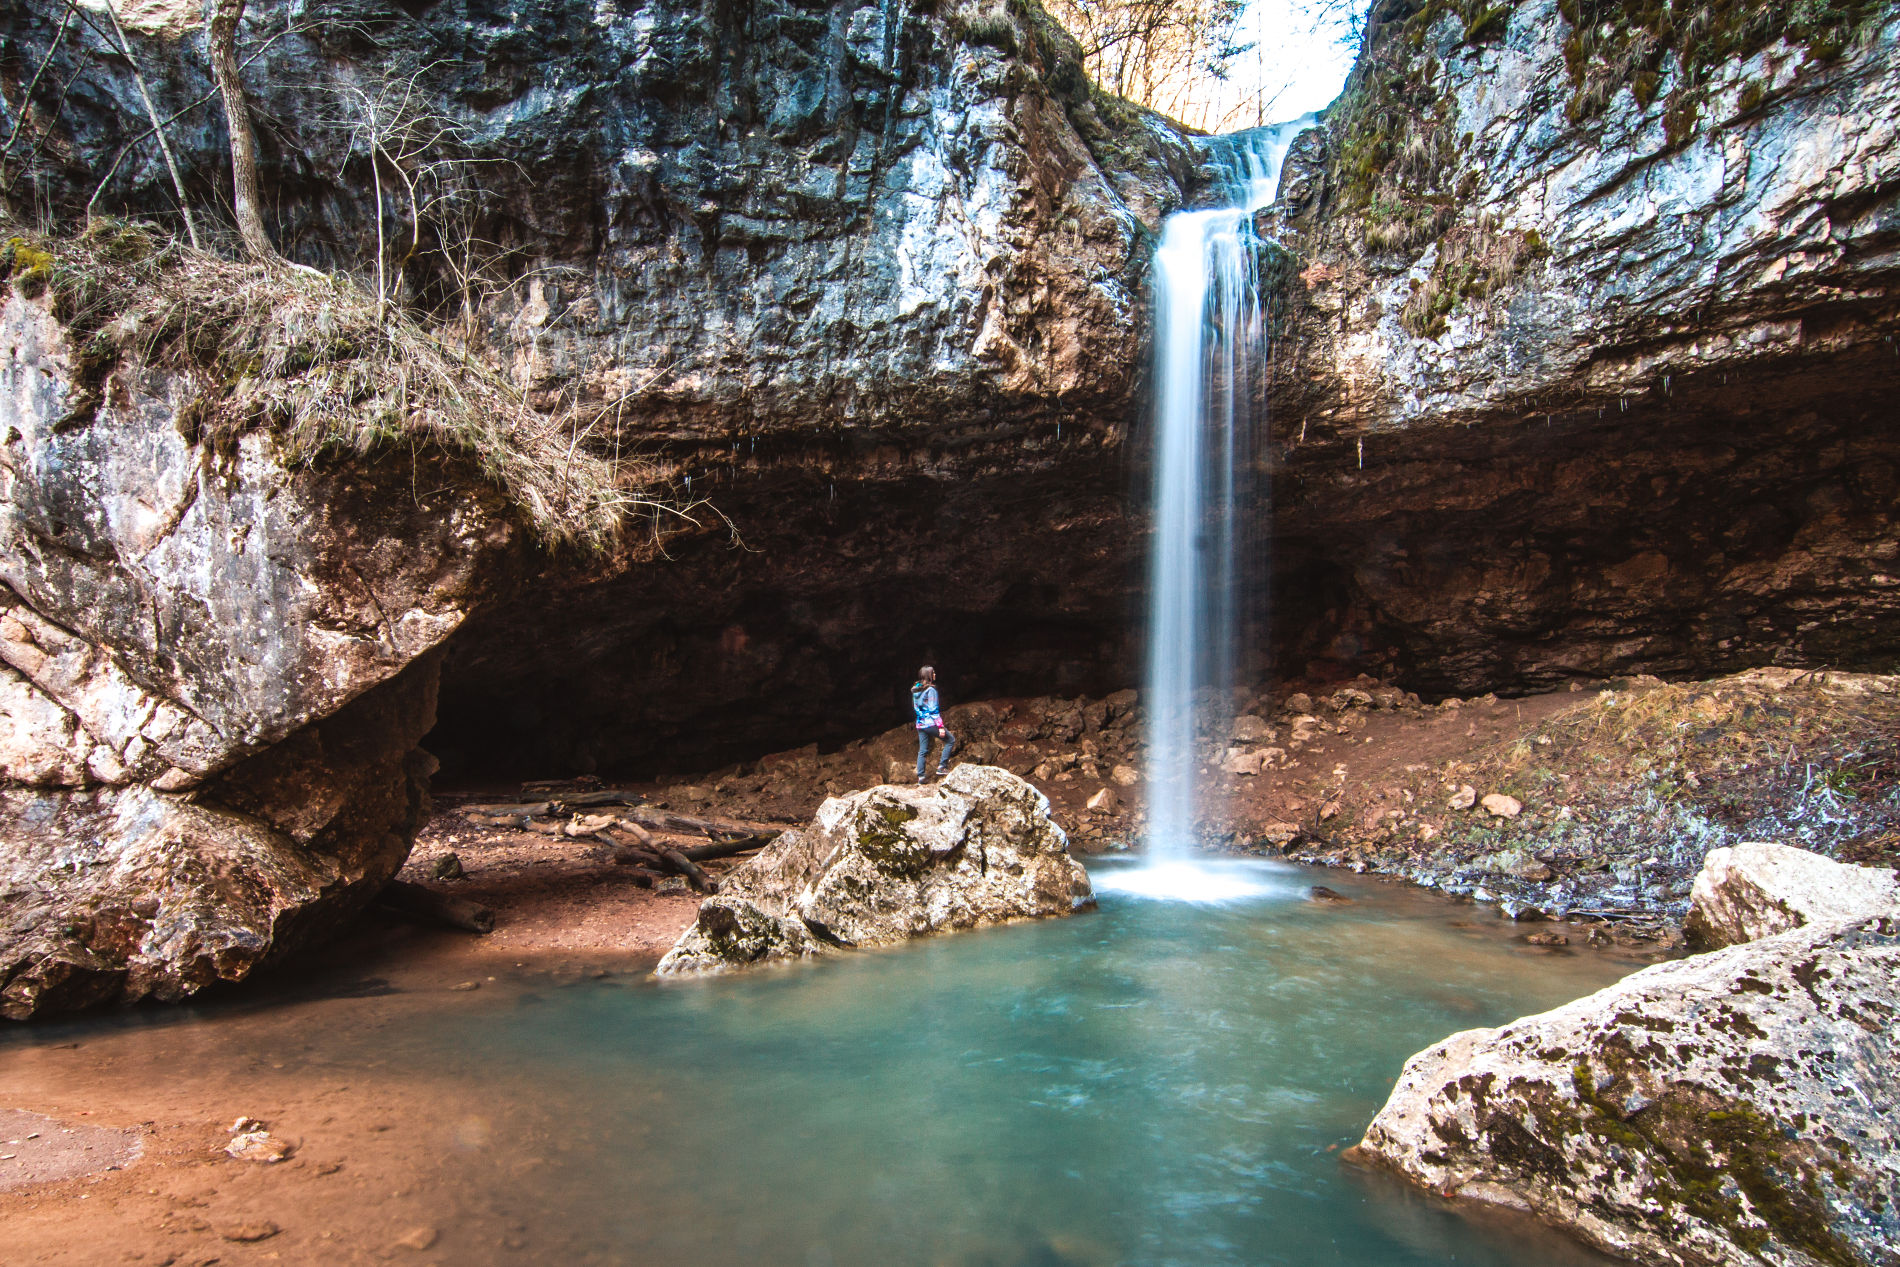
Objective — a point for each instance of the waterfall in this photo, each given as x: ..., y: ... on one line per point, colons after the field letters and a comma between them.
x: 1210, y: 351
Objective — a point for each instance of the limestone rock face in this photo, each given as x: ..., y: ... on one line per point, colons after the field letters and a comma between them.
x: 215, y: 669
x: 1731, y: 1107
x: 1759, y: 889
x: 888, y: 864
x: 872, y: 278
x: 1585, y: 370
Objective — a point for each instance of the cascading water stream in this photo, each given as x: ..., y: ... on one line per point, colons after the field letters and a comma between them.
x: 1210, y: 344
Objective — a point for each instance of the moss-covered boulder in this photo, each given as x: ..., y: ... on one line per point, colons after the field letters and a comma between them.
x: 1758, y: 889
x: 1734, y: 1107
x: 888, y: 864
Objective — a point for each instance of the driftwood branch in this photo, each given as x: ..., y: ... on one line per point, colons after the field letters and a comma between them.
x: 694, y: 874
x: 628, y: 851
x: 634, y: 829
x: 664, y: 820
x: 727, y: 848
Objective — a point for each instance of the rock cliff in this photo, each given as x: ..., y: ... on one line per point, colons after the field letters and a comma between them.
x: 1588, y: 342
x: 870, y: 278
x: 1582, y: 361
x: 216, y: 664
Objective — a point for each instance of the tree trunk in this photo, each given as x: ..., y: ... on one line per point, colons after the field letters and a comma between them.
x: 221, y: 41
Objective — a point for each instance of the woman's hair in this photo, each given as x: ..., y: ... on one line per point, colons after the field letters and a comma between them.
x: 926, y: 674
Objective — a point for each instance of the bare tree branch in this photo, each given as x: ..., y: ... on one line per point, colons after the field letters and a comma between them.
x: 26, y: 98
x: 158, y: 128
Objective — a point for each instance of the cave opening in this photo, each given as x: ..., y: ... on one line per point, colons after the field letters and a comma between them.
x: 809, y: 633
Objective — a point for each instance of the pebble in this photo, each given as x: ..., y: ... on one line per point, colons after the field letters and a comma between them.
x: 1502, y: 806
x: 248, y: 1232
x: 417, y: 1238
x: 1464, y: 798
x: 258, y: 1146
x: 466, y: 985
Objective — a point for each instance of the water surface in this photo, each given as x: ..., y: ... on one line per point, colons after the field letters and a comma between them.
x: 1159, y: 1082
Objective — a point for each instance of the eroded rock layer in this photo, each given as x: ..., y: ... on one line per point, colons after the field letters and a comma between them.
x: 1588, y: 352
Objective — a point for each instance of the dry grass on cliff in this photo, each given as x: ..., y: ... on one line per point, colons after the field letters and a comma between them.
x: 309, y: 358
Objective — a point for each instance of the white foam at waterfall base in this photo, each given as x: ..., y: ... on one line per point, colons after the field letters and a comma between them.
x: 1198, y: 879
x: 1209, y: 342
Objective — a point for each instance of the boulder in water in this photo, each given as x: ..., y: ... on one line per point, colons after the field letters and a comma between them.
x: 1758, y: 889
x: 1731, y: 1107
x: 888, y: 864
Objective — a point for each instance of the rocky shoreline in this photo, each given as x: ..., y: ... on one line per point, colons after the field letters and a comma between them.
x: 1606, y: 808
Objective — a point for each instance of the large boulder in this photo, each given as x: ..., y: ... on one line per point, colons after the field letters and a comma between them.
x: 1759, y: 889
x: 888, y: 864
x: 1734, y: 1107
x: 217, y: 660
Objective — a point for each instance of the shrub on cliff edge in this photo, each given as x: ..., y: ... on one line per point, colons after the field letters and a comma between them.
x: 307, y: 357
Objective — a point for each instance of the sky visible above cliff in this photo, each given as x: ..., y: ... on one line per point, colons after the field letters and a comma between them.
x: 1300, y: 55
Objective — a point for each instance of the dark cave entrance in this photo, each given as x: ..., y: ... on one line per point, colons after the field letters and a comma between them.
x: 809, y: 633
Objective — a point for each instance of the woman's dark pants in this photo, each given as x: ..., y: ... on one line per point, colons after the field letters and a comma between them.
x: 923, y: 751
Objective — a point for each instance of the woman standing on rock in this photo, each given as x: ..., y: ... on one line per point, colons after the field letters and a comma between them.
x: 923, y: 702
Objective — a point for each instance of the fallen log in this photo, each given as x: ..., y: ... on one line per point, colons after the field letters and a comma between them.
x: 580, y: 783
x: 512, y: 809
x: 438, y: 908
x: 584, y: 800
x: 627, y: 853
x: 727, y: 848
x: 695, y: 876
x: 666, y: 820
